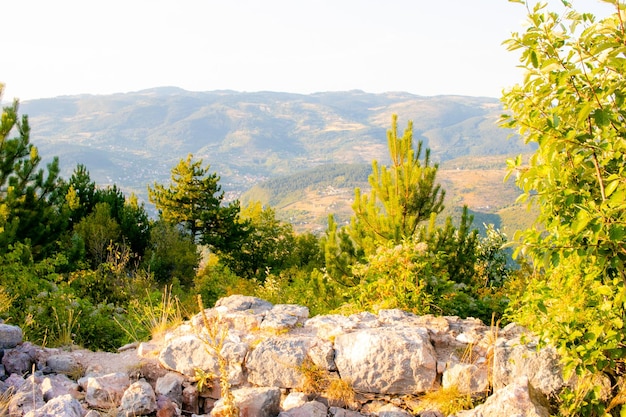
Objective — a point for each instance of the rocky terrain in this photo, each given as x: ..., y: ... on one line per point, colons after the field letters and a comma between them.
x: 279, y: 362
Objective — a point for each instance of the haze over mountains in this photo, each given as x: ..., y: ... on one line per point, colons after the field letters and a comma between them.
x: 134, y: 139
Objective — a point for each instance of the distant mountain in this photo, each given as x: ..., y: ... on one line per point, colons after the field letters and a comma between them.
x: 135, y: 139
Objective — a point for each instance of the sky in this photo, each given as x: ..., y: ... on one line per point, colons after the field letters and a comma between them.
x: 425, y: 47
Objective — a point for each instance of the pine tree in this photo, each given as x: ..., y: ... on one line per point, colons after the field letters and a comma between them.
x: 402, y: 195
x: 194, y: 200
x: 32, y: 204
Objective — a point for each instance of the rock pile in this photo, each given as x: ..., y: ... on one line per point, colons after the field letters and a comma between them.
x: 280, y: 362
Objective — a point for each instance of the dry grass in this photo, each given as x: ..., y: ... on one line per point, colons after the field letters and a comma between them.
x: 314, y: 378
x: 340, y: 393
x: 447, y: 401
x: 5, y: 399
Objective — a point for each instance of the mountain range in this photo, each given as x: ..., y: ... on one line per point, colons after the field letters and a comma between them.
x: 258, y: 141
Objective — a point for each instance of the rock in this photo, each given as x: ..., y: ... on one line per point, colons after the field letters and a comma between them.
x: 387, y: 361
x: 330, y: 326
x: 138, y: 399
x: 309, y: 409
x: 10, y: 336
x: 190, y: 399
x: 244, y: 303
x: 92, y: 413
x: 517, y: 399
x: 20, y: 360
x: 467, y: 378
x: 57, y: 385
x: 27, y: 398
x: 257, y: 402
x: 390, y: 410
x: 277, y: 361
x: 185, y: 354
x: 284, y: 316
x: 106, y: 391
x: 342, y: 412
x: 171, y: 386
x: 62, y: 406
x: 543, y: 368
x: 166, y: 407
x: 294, y: 399
x: 62, y: 364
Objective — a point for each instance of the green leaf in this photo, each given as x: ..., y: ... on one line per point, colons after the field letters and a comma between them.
x: 601, y: 117
x: 611, y: 187
x: 533, y: 59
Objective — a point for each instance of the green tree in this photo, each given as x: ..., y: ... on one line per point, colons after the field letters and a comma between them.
x: 98, y: 231
x: 171, y: 253
x: 194, y: 200
x: 32, y: 205
x: 269, y: 246
x: 571, y: 103
x: 402, y: 195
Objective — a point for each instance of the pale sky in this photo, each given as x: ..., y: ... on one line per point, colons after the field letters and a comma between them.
x: 425, y: 47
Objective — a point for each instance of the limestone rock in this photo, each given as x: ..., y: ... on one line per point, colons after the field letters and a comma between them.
x: 517, y: 399
x: 27, y: 398
x: 468, y: 378
x: 390, y: 410
x: 342, y: 412
x: 387, y: 361
x: 57, y: 385
x: 62, y: 364
x: 138, y: 399
x: 277, y: 361
x: 106, y: 391
x: 244, y: 303
x: 514, y: 359
x: 20, y: 360
x: 284, y: 316
x: 258, y: 402
x: 10, y: 336
x: 309, y: 409
x: 294, y: 399
x: 171, y: 386
x: 62, y: 406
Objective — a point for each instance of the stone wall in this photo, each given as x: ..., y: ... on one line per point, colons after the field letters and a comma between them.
x: 282, y: 363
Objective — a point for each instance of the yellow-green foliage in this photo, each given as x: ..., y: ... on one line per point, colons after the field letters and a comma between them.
x: 447, y: 401
x: 5, y: 300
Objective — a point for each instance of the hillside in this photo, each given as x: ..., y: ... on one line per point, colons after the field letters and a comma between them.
x: 134, y: 139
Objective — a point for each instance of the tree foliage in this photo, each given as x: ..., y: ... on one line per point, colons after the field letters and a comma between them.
x: 31, y: 205
x: 571, y: 102
x: 194, y: 200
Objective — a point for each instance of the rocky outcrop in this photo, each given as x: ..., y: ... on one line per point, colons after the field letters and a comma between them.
x: 282, y: 363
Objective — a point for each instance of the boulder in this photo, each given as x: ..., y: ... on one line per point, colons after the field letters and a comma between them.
x: 387, y: 361
x: 257, y: 402
x: 185, y: 354
x: 309, y: 409
x: 467, y: 378
x: 62, y: 364
x: 294, y: 399
x: 284, y: 316
x: 138, y: 399
x: 28, y: 397
x: 517, y: 399
x: 106, y: 391
x: 514, y: 359
x: 62, y: 406
x: 20, y: 360
x: 342, y: 412
x: 278, y: 361
x: 10, y: 336
x: 170, y: 385
x: 57, y: 385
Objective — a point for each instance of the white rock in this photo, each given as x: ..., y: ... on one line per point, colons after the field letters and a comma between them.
x: 309, y: 409
x: 62, y: 406
x: 517, y: 399
x: 106, y: 391
x: 139, y: 399
x: 387, y: 361
x: 257, y: 402
x: 467, y: 378
x: 294, y: 399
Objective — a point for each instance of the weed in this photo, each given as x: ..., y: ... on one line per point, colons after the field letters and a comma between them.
x: 5, y: 399
x: 340, y: 393
x: 154, y: 318
x: 66, y: 326
x: 213, y: 340
x: 204, y: 379
x: 448, y: 401
x: 314, y: 378
x: 5, y: 300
